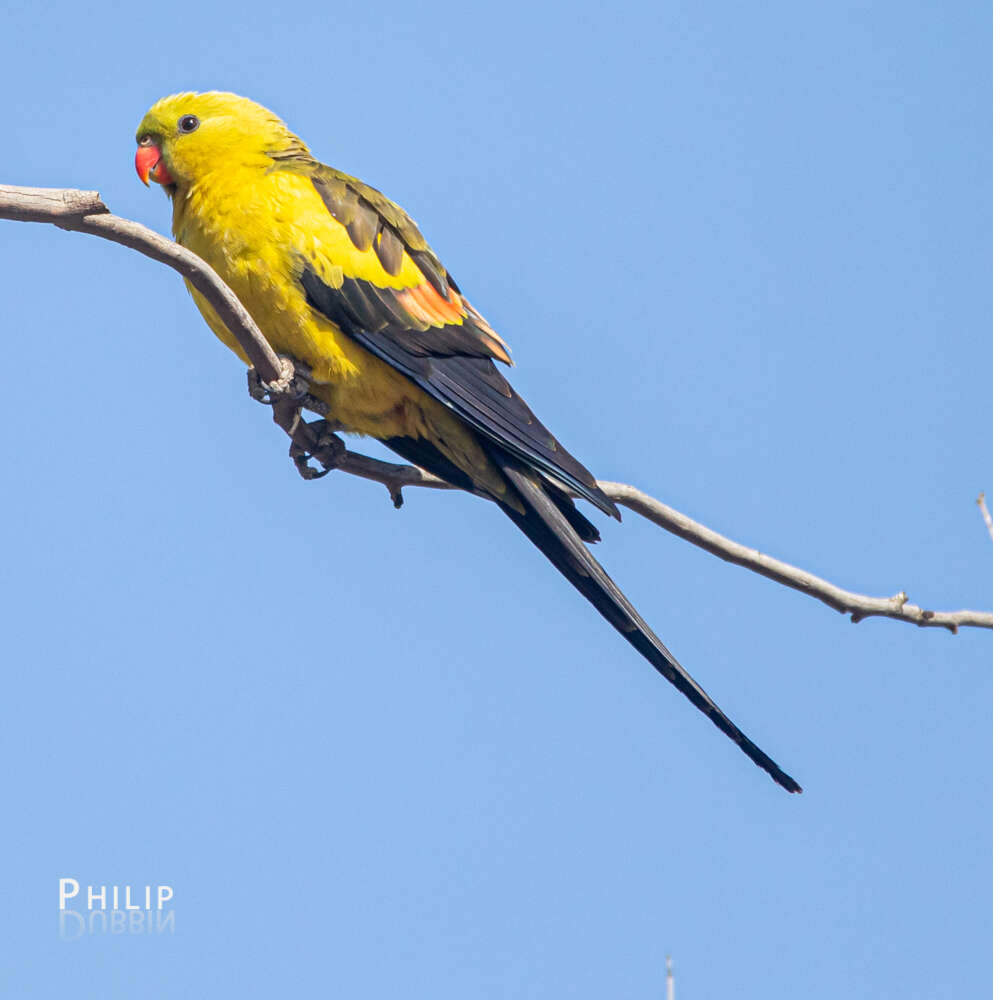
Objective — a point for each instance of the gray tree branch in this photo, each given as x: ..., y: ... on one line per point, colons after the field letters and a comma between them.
x: 283, y: 384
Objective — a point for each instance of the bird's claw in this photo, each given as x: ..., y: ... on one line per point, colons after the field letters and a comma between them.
x: 292, y: 385
x: 328, y: 449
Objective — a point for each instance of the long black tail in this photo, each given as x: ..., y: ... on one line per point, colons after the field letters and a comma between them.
x: 546, y: 525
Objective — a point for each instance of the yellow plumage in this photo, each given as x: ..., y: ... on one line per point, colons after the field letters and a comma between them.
x: 338, y: 277
x: 253, y: 224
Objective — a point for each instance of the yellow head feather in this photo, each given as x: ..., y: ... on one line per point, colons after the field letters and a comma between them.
x: 199, y: 133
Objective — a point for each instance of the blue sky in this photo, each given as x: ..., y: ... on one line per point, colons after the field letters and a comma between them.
x: 742, y: 254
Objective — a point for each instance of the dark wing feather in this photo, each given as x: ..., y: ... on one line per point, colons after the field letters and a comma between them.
x: 430, y: 332
x: 449, y: 358
x: 439, y: 362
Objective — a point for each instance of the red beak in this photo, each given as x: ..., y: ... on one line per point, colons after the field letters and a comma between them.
x: 148, y: 163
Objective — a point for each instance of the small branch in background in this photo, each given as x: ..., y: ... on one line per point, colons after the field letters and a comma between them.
x: 985, y: 511
x: 283, y: 384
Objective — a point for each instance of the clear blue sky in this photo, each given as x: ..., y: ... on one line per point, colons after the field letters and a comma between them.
x: 742, y: 254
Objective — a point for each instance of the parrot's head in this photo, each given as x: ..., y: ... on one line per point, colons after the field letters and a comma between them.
x: 186, y: 136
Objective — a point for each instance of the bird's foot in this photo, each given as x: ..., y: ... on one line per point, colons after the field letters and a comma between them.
x: 291, y: 386
x: 322, y: 445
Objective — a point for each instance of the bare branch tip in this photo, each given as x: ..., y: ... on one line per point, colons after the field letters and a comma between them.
x: 985, y: 511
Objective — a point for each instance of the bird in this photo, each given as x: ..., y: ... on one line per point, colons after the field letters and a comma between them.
x: 339, y: 277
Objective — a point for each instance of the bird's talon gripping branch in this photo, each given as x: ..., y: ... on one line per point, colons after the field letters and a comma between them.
x: 257, y: 388
x: 288, y: 385
x: 323, y: 446
x: 292, y: 384
x: 301, y: 459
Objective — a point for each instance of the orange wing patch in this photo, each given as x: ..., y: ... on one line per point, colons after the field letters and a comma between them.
x: 424, y: 304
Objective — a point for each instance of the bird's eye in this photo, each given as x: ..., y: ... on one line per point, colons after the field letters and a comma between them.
x: 188, y: 123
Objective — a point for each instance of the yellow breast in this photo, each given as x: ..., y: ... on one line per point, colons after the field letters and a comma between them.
x: 255, y: 229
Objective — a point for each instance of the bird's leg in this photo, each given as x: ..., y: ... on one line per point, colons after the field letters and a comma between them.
x: 288, y: 396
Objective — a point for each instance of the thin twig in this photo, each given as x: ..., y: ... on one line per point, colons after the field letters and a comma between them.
x: 859, y: 606
x: 985, y: 511
x: 284, y: 385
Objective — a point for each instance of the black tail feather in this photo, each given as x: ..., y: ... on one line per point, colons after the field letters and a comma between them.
x: 555, y: 526
x: 547, y: 525
x: 586, y: 530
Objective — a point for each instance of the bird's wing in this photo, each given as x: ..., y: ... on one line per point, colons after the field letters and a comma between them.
x: 404, y: 307
x: 396, y: 299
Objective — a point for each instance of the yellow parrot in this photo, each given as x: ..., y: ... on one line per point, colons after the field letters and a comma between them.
x: 339, y: 277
